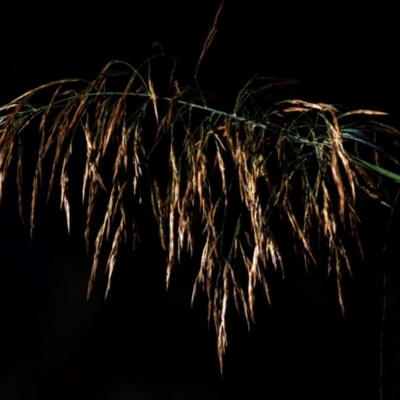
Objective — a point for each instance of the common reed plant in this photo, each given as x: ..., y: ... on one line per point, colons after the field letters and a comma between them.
x: 242, y: 186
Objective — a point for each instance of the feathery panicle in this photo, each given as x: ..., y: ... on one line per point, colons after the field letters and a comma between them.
x: 239, y: 185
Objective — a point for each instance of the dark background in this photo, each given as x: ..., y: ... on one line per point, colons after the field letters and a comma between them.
x: 143, y: 340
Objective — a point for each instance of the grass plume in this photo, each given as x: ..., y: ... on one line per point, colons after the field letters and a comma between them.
x: 240, y: 184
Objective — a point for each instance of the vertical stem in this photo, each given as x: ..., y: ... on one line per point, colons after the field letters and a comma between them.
x: 390, y: 333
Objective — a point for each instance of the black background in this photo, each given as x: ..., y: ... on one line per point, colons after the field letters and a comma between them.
x: 142, y: 339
